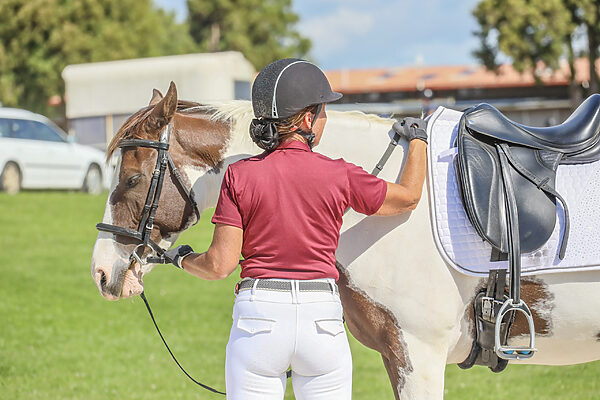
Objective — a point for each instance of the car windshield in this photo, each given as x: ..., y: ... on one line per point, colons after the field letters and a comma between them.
x: 44, y: 132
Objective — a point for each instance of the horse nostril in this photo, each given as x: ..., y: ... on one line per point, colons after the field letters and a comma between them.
x: 102, y: 280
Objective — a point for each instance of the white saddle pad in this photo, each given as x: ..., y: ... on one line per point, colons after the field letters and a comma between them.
x: 461, y: 246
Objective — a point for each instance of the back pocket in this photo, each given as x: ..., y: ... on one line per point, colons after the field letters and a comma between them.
x: 255, y: 325
x: 331, y: 326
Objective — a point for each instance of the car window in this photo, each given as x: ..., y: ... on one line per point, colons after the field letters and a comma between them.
x: 44, y: 132
x: 4, y: 127
x: 22, y: 129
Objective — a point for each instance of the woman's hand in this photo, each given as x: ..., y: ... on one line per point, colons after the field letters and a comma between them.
x: 221, y: 258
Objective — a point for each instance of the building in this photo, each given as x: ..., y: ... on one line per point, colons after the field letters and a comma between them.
x: 100, y: 96
x: 406, y: 90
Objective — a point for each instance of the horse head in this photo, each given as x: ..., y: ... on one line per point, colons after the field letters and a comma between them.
x: 197, y: 143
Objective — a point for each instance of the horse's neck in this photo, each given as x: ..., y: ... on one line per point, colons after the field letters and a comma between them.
x: 360, y: 139
x: 207, y: 181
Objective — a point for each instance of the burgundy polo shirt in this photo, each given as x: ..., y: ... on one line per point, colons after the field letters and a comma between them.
x: 290, y: 203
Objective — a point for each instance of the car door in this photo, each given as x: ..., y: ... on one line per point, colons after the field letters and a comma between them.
x: 28, y: 152
x: 60, y: 158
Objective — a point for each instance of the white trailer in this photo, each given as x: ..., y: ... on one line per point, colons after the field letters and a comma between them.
x: 100, y: 96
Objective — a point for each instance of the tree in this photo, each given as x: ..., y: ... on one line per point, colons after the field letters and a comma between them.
x: 263, y: 30
x: 533, y: 31
x: 38, y: 38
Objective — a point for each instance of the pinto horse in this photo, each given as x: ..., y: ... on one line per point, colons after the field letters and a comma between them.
x: 400, y: 298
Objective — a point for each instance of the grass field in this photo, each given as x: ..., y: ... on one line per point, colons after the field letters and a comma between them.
x: 60, y: 340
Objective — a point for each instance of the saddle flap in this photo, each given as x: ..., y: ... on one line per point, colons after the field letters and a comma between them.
x: 479, y: 174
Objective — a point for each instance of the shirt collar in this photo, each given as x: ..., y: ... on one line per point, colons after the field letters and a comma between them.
x: 294, y: 144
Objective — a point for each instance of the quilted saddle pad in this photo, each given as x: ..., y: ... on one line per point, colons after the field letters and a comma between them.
x: 461, y: 246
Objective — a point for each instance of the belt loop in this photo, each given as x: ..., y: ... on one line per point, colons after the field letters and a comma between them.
x: 295, y: 290
x: 332, y: 285
x: 253, y: 290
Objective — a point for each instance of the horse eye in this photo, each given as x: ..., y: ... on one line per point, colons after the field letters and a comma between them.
x: 133, y: 180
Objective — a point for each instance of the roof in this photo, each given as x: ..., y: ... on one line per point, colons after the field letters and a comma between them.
x: 17, y: 113
x: 124, y: 86
x: 416, y: 78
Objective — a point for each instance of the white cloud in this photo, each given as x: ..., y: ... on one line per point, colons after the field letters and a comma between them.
x: 383, y: 33
x: 335, y: 32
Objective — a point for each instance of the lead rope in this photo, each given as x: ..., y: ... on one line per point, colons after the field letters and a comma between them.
x: 143, y: 296
x: 376, y: 171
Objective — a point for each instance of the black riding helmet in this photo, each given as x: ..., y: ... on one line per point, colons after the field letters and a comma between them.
x: 282, y: 89
x: 287, y: 86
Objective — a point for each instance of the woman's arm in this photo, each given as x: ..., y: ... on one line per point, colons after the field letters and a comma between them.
x: 221, y: 258
x: 405, y: 195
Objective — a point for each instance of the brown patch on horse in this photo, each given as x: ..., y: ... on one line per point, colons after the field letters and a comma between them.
x: 377, y: 328
x: 538, y: 298
x: 536, y: 295
x: 201, y: 138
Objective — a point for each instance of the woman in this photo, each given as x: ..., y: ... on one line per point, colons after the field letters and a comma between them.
x: 282, y: 210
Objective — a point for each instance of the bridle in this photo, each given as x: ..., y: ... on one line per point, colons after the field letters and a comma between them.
x: 142, y: 234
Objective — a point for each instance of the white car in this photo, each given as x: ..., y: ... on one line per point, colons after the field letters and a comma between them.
x: 37, y: 154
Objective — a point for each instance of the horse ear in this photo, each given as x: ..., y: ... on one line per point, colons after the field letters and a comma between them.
x: 163, y: 112
x: 156, y: 97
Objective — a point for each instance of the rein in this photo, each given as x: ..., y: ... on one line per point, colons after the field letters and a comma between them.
x: 143, y: 296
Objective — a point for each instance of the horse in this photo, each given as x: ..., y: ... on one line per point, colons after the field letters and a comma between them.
x: 400, y: 297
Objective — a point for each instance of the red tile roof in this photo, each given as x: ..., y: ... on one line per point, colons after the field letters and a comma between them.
x: 446, y: 78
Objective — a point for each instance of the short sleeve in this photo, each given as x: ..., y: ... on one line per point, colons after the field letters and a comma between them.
x: 366, y: 192
x: 227, y: 211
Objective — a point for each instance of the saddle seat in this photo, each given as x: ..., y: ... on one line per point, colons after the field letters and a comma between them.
x: 578, y: 137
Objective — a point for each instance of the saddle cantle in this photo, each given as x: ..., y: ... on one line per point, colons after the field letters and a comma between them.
x: 506, y: 174
x: 577, y: 137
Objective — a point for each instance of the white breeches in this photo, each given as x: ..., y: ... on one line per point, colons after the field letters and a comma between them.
x: 275, y: 330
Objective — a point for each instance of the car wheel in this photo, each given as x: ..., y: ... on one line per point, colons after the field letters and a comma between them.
x: 93, y: 180
x: 10, y: 180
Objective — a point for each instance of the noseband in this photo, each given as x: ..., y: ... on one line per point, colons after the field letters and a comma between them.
x: 142, y: 234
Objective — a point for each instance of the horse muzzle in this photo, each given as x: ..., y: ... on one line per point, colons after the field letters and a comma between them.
x: 119, y: 282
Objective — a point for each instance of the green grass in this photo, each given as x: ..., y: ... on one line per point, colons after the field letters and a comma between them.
x: 59, y: 339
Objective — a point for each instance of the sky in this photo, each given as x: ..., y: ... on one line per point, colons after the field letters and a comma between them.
x: 381, y: 33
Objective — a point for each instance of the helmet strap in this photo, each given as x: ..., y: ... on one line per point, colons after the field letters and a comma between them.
x: 310, y: 136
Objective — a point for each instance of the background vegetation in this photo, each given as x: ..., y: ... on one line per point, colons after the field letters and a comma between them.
x: 529, y: 32
x: 38, y: 38
x: 59, y: 339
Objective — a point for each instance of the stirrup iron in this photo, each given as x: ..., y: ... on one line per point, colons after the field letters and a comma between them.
x: 515, y: 352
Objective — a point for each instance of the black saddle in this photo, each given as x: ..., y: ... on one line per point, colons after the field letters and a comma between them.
x: 494, y: 151
x: 507, y: 174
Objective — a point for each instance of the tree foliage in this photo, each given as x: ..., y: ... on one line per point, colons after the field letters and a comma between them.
x: 38, y: 38
x: 532, y: 31
x: 263, y: 30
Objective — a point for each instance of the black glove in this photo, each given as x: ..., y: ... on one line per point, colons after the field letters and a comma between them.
x: 176, y: 254
x: 411, y: 128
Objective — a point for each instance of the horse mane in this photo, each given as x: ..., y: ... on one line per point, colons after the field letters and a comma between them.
x: 240, y: 113
x: 237, y: 112
x: 132, y: 123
